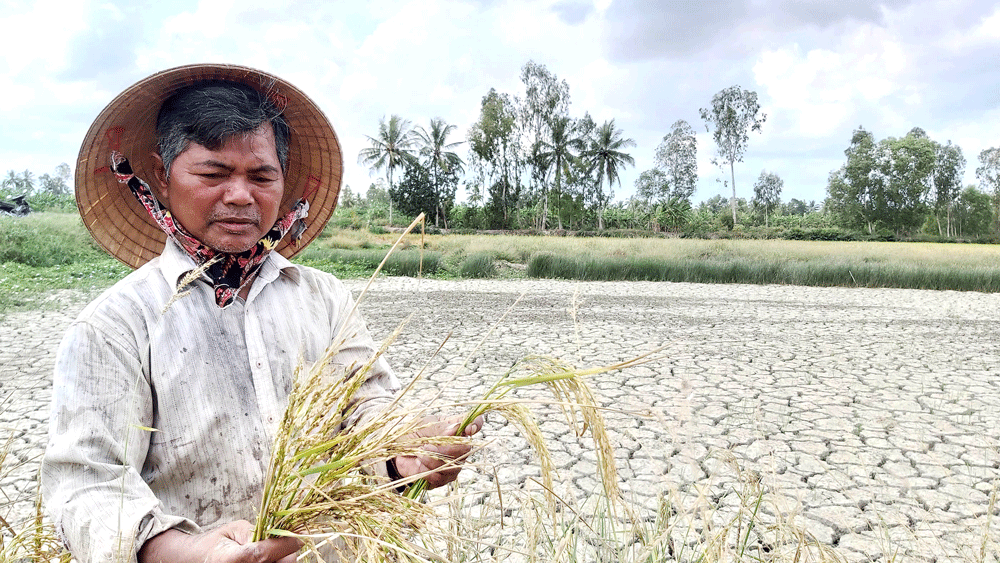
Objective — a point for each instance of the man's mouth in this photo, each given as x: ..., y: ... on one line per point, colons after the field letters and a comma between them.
x: 235, y: 223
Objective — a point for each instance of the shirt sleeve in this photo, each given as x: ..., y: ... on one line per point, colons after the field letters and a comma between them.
x: 99, y: 431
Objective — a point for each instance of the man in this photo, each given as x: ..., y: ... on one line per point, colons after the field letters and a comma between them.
x: 166, y: 398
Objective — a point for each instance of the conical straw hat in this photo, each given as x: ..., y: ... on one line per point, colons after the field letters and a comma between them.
x: 119, y: 222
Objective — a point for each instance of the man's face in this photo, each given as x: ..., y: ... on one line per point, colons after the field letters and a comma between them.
x: 227, y: 198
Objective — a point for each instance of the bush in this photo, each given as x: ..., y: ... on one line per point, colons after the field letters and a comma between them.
x: 47, y: 239
x: 726, y: 218
x: 757, y: 271
x: 464, y: 217
x: 400, y: 263
x: 345, y: 220
x: 829, y: 234
x: 882, y: 235
x: 56, y: 203
x: 478, y: 265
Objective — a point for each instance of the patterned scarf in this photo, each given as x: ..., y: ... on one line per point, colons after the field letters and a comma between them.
x: 231, y: 271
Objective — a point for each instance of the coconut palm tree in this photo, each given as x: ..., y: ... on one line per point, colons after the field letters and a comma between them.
x: 606, y: 157
x: 440, y: 160
x: 390, y: 149
x: 557, y: 154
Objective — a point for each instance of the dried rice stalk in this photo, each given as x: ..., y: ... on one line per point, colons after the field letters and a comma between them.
x: 574, y: 397
x: 319, y: 480
x: 37, y: 541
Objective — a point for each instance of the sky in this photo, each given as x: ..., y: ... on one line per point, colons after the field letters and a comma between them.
x: 821, y: 69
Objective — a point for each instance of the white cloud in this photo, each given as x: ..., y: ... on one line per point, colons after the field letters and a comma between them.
x: 36, y: 34
x: 816, y: 93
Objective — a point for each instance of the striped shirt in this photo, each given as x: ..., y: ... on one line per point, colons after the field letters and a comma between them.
x: 212, y: 382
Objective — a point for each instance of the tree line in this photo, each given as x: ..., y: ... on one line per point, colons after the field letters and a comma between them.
x: 529, y: 164
x: 45, y: 192
x: 526, y: 163
x: 911, y: 184
x: 526, y: 158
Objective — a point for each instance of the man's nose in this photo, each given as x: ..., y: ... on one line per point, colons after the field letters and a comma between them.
x: 238, y: 192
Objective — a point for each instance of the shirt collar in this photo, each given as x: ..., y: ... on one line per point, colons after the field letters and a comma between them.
x: 175, y: 263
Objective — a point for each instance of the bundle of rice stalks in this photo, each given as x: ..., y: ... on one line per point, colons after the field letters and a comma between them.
x: 321, y: 481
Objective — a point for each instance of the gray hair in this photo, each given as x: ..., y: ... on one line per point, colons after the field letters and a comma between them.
x: 208, y: 113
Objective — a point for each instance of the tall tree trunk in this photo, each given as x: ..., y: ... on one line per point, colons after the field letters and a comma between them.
x: 545, y: 209
x: 559, y: 200
x: 600, y: 206
x: 732, y: 202
x: 390, y: 197
x: 951, y: 230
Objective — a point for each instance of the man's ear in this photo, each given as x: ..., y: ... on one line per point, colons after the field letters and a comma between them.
x: 160, y: 180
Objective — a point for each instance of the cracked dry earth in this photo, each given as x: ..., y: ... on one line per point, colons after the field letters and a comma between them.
x: 870, y: 417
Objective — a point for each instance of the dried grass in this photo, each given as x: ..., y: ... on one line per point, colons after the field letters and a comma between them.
x: 31, y: 541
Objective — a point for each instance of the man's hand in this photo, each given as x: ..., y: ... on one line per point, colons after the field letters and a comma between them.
x: 452, y: 456
x: 227, y: 544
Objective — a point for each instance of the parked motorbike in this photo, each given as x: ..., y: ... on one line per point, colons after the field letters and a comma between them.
x: 17, y: 207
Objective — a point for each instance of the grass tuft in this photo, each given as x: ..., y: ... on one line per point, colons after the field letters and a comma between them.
x: 402, y: 263
x: 46, y: 240
x: 33, y: 540
x: 478, y: 265
x: 738, y: 269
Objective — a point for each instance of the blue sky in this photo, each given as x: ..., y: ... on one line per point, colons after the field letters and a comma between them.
x: 821, y: 69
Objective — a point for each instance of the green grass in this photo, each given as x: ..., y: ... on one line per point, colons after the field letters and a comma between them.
x: 46, y: 239
x: 30, y: 287
x: 965, y: 267
x: 478, y: 265
x: 755, y: 271
x: 403, y: 263
x: 53, y: 251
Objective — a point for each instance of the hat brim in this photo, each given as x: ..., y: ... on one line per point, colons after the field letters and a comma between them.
x: 121, y: 225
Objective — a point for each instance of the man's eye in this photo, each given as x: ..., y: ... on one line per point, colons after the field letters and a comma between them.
x: 212, y: 175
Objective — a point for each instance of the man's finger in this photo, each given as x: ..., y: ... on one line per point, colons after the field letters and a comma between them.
x: 276, y: 549
x: 475, y: 427
x: 239, y: 531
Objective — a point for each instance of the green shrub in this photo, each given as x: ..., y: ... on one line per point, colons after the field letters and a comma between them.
x: 400, y: 263
x: 758, y: 271
x: 726, y: 218
x: 47, y: 239
x: 478, y: 265
x: 345, y: 220
x: 827, y: 233
x: 56, y: 203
